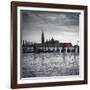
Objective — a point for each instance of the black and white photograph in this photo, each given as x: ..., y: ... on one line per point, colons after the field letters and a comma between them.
x: 50, y: 43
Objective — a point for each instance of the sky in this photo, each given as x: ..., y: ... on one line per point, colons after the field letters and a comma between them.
x: 61, y: 26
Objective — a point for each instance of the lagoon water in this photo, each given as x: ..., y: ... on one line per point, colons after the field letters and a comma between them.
x: 49, y: 64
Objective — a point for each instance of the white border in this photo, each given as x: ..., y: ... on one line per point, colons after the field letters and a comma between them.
x: 56, y: 78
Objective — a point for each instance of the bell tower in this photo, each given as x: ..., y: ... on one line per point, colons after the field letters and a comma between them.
x: 42, y: 37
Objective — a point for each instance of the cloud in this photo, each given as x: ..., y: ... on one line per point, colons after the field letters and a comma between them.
x: 38, y: 17
x: 60, y: 25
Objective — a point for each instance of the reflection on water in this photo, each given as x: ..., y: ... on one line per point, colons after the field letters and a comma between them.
x: 49, y: 64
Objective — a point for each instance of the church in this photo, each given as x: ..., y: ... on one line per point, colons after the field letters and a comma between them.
x: 53, y: 43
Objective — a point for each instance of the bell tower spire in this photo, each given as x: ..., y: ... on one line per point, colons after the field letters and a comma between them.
x: 42, y: 37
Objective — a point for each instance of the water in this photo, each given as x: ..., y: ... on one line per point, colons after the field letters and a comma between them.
x: 49, y: 64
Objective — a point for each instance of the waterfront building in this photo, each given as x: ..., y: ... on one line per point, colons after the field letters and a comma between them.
x: 49, y: 46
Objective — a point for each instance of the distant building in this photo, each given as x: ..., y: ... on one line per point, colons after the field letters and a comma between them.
x: 53, y: 43
x: 49, y: 46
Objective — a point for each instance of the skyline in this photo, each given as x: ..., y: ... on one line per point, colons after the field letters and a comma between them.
x: 50, y: 40
x: 59, y: 25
